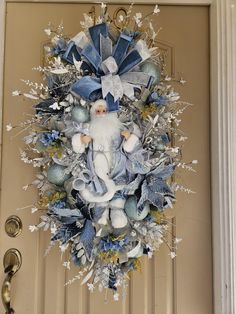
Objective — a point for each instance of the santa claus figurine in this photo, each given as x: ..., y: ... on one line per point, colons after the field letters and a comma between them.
x: 108, y: 146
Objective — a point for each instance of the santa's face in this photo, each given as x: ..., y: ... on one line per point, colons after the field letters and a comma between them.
x: 101, y: 111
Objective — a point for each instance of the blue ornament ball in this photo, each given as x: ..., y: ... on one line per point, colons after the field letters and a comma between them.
x: 56, y: 174
x: 80, y: 114
x: 151, y: 69
x: 132, y: 210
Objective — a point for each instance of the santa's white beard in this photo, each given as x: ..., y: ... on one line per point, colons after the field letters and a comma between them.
x: 103, y: 129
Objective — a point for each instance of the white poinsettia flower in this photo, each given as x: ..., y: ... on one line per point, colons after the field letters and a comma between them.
x: 33, y: 228
x: 48, y: 31
x: 16, y: 93
x: 156, y: 9
x: 9, y: 127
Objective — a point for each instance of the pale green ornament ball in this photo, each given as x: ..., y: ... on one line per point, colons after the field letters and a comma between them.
x: 80, y: 114
x: 56, y: 174
x: 132, y: 210
x: 151, y: 69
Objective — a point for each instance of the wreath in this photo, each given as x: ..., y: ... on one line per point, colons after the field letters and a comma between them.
x: 103, y: 139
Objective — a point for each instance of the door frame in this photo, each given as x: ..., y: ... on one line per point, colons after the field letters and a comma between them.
x: 223, y: 129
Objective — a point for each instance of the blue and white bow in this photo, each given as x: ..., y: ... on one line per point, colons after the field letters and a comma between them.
x: 113, y: 67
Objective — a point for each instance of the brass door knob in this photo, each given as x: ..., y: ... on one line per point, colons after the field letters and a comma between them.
x: 13, y: 226
x: 12, y: 262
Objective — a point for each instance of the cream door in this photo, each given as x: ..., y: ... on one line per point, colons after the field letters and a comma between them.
x: 182, y: 286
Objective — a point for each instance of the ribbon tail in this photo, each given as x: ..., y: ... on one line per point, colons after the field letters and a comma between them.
x: 128, y: 90
x: 107, y: 85
x: 113, y: 105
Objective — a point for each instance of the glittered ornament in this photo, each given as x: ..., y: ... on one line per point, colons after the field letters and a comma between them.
x: 132, y: 210
x: 80, y: 114
x: 56, y: 174
x: 151, y: 69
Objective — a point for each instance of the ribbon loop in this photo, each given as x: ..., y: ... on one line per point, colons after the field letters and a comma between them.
x: 121, y: 48
x: 91, y: 54
x: 87, y: 87
x: 105, y: 47
x: 95, y: 32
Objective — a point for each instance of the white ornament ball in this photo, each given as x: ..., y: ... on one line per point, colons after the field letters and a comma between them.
x: 80, y: 114
x: 132, y: 210
x: 56, y: 174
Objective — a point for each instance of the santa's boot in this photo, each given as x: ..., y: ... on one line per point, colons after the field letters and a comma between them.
x: 117, y: 215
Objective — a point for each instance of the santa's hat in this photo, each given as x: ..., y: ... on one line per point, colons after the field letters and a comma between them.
x: 96, y: 105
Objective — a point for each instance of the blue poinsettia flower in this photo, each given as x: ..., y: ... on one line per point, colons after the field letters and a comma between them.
x: 155, y: 189
x: 58, y: 205
x: 159, y: 100
x: 107, y: 244
x: 48, y: 138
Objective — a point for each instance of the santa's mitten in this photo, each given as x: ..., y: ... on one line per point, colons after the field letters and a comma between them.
x: 77, y: 144
x: 118, y: 218
x: 131, y: 143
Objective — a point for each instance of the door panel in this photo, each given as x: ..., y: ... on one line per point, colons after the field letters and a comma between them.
x: 182, y: 286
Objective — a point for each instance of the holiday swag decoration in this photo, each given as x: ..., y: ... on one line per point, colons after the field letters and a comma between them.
x: 102, y: 139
